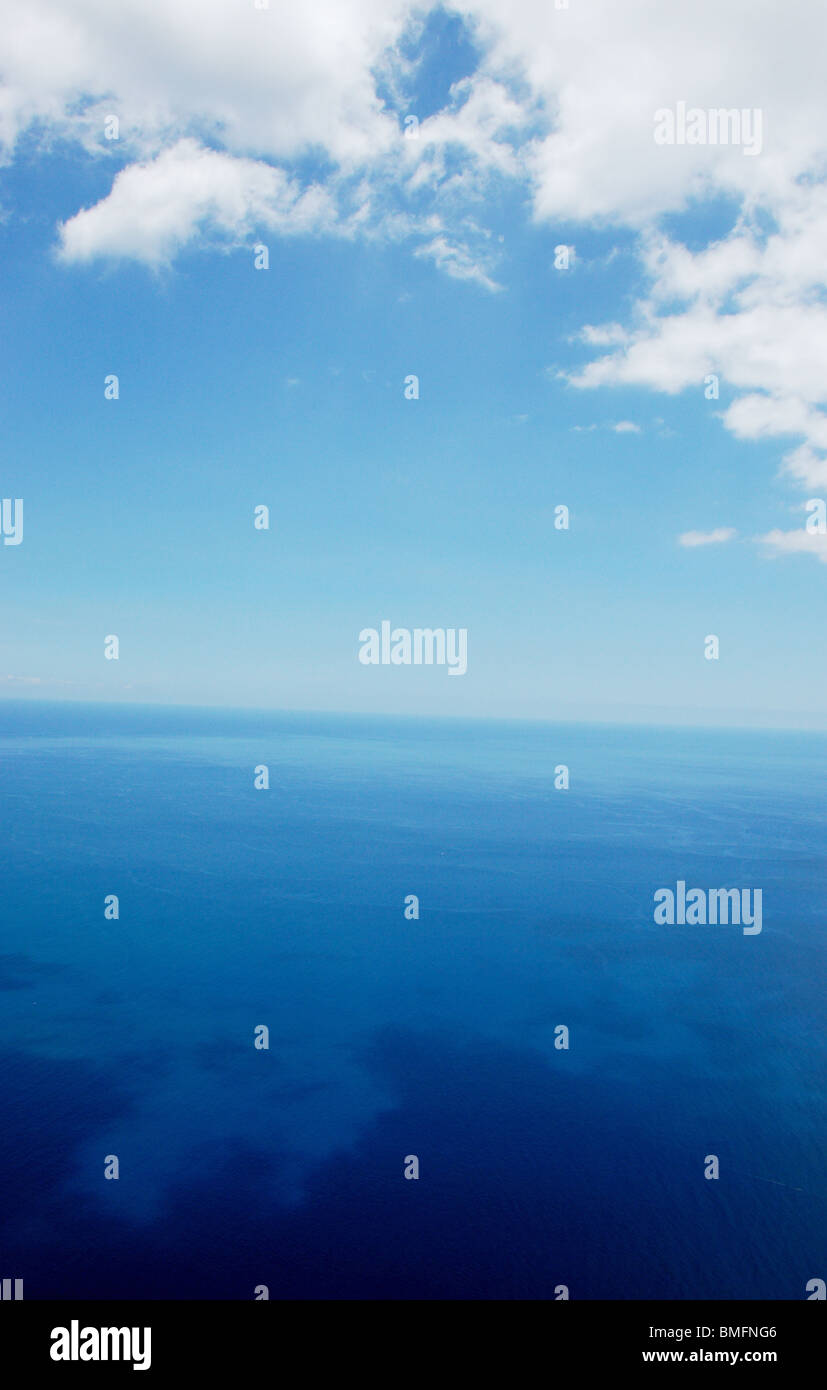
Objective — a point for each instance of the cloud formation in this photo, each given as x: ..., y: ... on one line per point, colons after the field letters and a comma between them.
x: 157, y: 206
x: 235, y: 122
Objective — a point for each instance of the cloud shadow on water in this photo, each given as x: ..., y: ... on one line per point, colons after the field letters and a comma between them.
x: 530, y: 1178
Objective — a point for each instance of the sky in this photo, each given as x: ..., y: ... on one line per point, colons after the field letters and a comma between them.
x: 430, y: 247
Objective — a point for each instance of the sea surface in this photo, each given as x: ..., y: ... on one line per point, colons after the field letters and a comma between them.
x: 540, y: 1167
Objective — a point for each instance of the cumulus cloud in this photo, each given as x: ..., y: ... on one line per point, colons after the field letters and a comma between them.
x: 567, y: 95
x: 626, y: 427
x: 604, y: 69
x: 691, y: 539
x: 270, y: 83
x: 156, y: 207
x: 561, y: 99
x: 219, y: 105
x: 223, y: 109
x: 749, y: 310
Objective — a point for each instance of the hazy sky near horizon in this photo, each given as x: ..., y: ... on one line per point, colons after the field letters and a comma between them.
x: 434, y: 256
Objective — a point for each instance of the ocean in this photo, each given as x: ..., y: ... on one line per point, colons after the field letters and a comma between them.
x: 542, y: 1168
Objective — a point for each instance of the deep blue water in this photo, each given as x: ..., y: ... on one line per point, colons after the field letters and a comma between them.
x: 539, y: 1167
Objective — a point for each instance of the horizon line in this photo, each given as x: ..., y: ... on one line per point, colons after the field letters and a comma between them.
x: 635, y: 721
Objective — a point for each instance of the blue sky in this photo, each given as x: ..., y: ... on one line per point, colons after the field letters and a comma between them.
x: 285, y: 387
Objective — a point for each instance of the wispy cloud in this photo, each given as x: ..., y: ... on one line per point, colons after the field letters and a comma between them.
x: 798, y: 542
x: 690, y: 539
x: 33, y: 680
x: 458, y: 261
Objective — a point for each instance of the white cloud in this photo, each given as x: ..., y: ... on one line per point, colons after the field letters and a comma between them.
x: 796, y: 543
x: 691, y: 539
x: 575, y: 115
x: 270, y: 82
x: 457, y: 261
x: 603, y: 335
x: 604, y: 69
x: 761, y: 417
x: 155, y: 208
x: 562, y: 99
x: 807, y: 467
x: 486, y: 122
x: 621, y: 427
x: 221, y: 105
x: 565, y: 96
x: 216, y: 105
x: 750, y: 309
